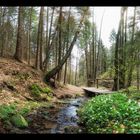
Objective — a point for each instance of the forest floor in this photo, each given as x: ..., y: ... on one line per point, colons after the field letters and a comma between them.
x: 16, y: 97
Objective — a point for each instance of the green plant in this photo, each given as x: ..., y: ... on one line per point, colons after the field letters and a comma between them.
x: 46, y: 90
x: 35, y: 90
x: 6, y: 111
x: 114, y: 113
x: 24, y: 111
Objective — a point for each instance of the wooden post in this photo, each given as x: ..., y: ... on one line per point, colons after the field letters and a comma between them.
x: 97, y: 82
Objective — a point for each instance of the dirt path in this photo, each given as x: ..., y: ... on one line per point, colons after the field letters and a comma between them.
x: 69, y: 91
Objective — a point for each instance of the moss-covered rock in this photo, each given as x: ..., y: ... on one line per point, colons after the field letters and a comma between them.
x: 19, y: 121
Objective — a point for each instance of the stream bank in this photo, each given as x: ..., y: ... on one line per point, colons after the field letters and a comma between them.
x: 57, y: 118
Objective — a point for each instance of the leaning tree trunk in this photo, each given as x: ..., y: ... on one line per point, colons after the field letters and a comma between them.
x: 55, y: 70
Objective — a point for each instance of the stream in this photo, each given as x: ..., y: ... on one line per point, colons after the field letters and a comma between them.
x: 59, y: 120
x: 67, y: 117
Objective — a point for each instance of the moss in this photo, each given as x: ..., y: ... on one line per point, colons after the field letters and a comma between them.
x: 6, y: 111
x: 19, y: 121
x: 46, y: 90
x: 35, y: 90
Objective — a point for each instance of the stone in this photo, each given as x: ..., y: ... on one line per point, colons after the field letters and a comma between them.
x: 19, y: 121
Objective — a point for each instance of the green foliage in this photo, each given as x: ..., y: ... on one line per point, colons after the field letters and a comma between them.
x: 47, y: 90
x: 24, y: 111
x: 114, y: 113
x: 37, y: 90
x: 19, y: 121
x: 6, y: 111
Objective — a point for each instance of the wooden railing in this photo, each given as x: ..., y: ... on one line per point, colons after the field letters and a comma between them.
x: 97, y: 81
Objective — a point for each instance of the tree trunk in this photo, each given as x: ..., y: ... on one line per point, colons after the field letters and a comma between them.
x: 87, y: 69
x: 39, y: 64
x: 131, y: 52
x: 65, y: 71
x: 116, y: 63
x: 99, y: 44
x: 47, y: 26
x: 41, y: 37
x: 19, y: 45
x: 70, y: 75
x: 49, y: 45
x: 121, y: 53
x: 138, y: 71
x: 60, y: 43
x: 76, y: 68
x: 29, y: 41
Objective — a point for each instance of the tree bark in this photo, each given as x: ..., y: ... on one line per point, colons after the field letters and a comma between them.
x: 138, y: 71
x: 60, y: 43
x: 19, y: 45
x: 49, y: 45
x: 65, y: 71
x: 39, y: 64
x: 29, y: 36
x: 131, y: 52
x: 99, y: 44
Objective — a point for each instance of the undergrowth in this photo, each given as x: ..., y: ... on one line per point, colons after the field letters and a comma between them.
x: 114, y: 113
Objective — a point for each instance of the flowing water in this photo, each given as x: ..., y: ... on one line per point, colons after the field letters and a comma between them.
x: 67, y: 117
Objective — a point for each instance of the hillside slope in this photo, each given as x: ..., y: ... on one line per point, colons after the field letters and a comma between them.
x: 15, y: 80
x: 24, y: 94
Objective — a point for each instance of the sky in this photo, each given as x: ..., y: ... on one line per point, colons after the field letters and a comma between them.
x: 110, y: 21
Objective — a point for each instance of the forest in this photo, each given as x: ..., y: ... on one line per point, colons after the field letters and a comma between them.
x: 58, y: 75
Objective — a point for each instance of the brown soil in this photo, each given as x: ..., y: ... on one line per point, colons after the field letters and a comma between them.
x: 68, y: 91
